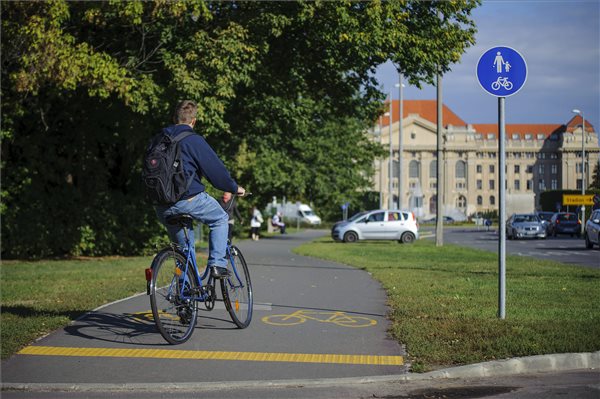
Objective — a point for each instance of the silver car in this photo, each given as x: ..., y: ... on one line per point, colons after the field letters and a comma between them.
x: 527, y: 225
x: 377, y: 225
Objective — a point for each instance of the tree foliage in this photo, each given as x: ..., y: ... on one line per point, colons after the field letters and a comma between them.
x: 285, y: 93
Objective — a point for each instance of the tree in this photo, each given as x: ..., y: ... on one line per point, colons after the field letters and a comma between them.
x: 285, y: 92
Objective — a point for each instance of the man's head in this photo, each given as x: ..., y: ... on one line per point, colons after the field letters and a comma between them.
x: 185, y: 113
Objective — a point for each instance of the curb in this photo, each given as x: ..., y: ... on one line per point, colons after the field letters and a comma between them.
x: 497, y: 368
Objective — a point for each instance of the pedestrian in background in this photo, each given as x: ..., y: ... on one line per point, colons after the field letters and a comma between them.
x: 277, y: 222
x: 255, y: 223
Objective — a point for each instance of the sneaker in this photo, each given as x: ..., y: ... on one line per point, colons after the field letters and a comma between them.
x: 219, y: 272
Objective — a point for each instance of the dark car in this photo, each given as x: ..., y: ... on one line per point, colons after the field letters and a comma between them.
x: 545, y: 217
x: 565, y: 223
x: 592, y: 230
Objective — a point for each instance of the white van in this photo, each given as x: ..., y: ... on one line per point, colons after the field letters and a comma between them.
x: 295, y: 211
x: 306, y: 214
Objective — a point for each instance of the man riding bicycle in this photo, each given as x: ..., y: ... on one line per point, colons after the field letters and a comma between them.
x: 199, y: 160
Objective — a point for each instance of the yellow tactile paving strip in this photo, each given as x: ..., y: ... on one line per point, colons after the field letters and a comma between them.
x: 215, y: 355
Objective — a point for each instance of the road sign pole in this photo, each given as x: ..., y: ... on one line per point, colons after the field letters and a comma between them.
x: 502, y: 216
x: 502, y: 72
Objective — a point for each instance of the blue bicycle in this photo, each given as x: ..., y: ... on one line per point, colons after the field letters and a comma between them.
x: 176, y: 287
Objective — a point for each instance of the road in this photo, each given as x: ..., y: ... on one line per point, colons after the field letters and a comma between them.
x: 562, y: 249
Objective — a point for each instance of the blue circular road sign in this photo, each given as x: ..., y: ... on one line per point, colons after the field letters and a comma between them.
x: 501, y: 71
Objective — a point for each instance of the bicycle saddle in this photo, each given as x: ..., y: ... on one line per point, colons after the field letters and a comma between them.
x: 182, y: 219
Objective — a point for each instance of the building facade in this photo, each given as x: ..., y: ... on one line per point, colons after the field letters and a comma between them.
x: 539, y: 157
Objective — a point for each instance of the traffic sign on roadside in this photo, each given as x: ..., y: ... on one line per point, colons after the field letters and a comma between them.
x: 501, y: 71
x: 578, y: 199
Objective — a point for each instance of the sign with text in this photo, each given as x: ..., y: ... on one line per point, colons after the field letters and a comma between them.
x: 578, y: 199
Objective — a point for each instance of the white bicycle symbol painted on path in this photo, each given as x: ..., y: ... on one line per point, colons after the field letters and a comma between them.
x: 502, y: 82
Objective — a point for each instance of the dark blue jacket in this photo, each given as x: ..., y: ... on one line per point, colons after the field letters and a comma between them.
x: 200, y: 160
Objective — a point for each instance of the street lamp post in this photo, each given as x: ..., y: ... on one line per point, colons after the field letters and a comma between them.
x: 391, y: 198
x: 400, y: 85
x: 380, y: 168
x: 580, y: 113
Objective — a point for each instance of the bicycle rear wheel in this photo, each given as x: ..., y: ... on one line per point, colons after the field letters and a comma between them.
x: 174, y: 314
x: 237, y: 289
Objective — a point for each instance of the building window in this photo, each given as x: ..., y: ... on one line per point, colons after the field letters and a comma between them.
x: 517, y: 169
x: 492, y: 184
x: 395, y: 167
x: 529, y: 155
x: 554, y: 169
x: 479, y: 168
x: 479, y: 184
x: 541, y: 136
x: 461, y: 185
x: 492, y: 169
x: 541, y: 169
x: 413, y: 135
x: 492, y: 155
x: 433, y: 204
x: 461, y: 202
x: 553, y: 155
x: 541, y: 185
x: 554, y: 184
x: 579, y: 184
x: 516, y: 136
x: 517, y: 185
x: 528, y: 136
x: 461, y: 169
x: 491, y: 136
x: 433, y: 185
x: 492, y: 200
x: 433, y: 168
x: 529, y: 185
x: 529, y: 168
x: 413, y: 169
x: 479, y: 200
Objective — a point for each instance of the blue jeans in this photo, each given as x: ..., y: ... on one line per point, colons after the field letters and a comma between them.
x: 207, y: 210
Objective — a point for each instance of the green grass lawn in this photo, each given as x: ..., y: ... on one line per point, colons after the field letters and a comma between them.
x: 444, y: 301
x: 39, y: 297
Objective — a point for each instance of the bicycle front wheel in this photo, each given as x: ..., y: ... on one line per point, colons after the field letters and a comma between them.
x: 173, y: 297
x: 237, y: 289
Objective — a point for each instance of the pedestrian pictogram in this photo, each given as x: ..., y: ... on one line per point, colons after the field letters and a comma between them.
x: 501, y: 71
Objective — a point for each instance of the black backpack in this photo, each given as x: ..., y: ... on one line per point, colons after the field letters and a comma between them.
x: 163, y: 172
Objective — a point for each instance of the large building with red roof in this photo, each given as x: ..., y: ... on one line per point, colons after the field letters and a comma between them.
x: 539, y: 157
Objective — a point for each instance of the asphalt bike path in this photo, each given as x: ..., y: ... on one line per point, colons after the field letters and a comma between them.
x: 312, y: 319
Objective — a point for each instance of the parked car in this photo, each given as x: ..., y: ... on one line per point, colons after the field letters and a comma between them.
x: 592, y: 230
x: 565, y: 223
x: 525, y: 225
x: 545, y: 218
x: 378, y: 225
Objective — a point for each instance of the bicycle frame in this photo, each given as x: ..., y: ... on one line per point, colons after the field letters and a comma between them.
x: 190, y: 261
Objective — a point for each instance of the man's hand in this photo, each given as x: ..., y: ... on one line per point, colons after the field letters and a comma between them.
x: 241, y: 191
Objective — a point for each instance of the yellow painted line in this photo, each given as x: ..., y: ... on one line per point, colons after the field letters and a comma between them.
x: 214, y: 355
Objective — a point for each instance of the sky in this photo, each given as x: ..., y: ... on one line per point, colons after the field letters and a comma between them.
x: 560, y: 41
